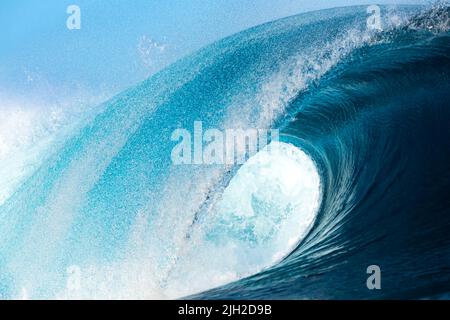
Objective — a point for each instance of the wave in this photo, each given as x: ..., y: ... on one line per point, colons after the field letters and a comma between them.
x: 364, y: 122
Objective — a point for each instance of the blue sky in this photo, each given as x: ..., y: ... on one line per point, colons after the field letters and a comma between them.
x: 120, y: 42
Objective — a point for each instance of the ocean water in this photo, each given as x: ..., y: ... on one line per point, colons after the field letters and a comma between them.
x: 360, y: 176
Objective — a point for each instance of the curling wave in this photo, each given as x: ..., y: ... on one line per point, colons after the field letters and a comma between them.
x: 360, y: 177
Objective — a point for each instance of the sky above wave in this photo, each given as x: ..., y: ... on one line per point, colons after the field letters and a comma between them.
x: 120, y: 43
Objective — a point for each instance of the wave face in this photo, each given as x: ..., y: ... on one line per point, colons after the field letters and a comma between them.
x: 363, y: 118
